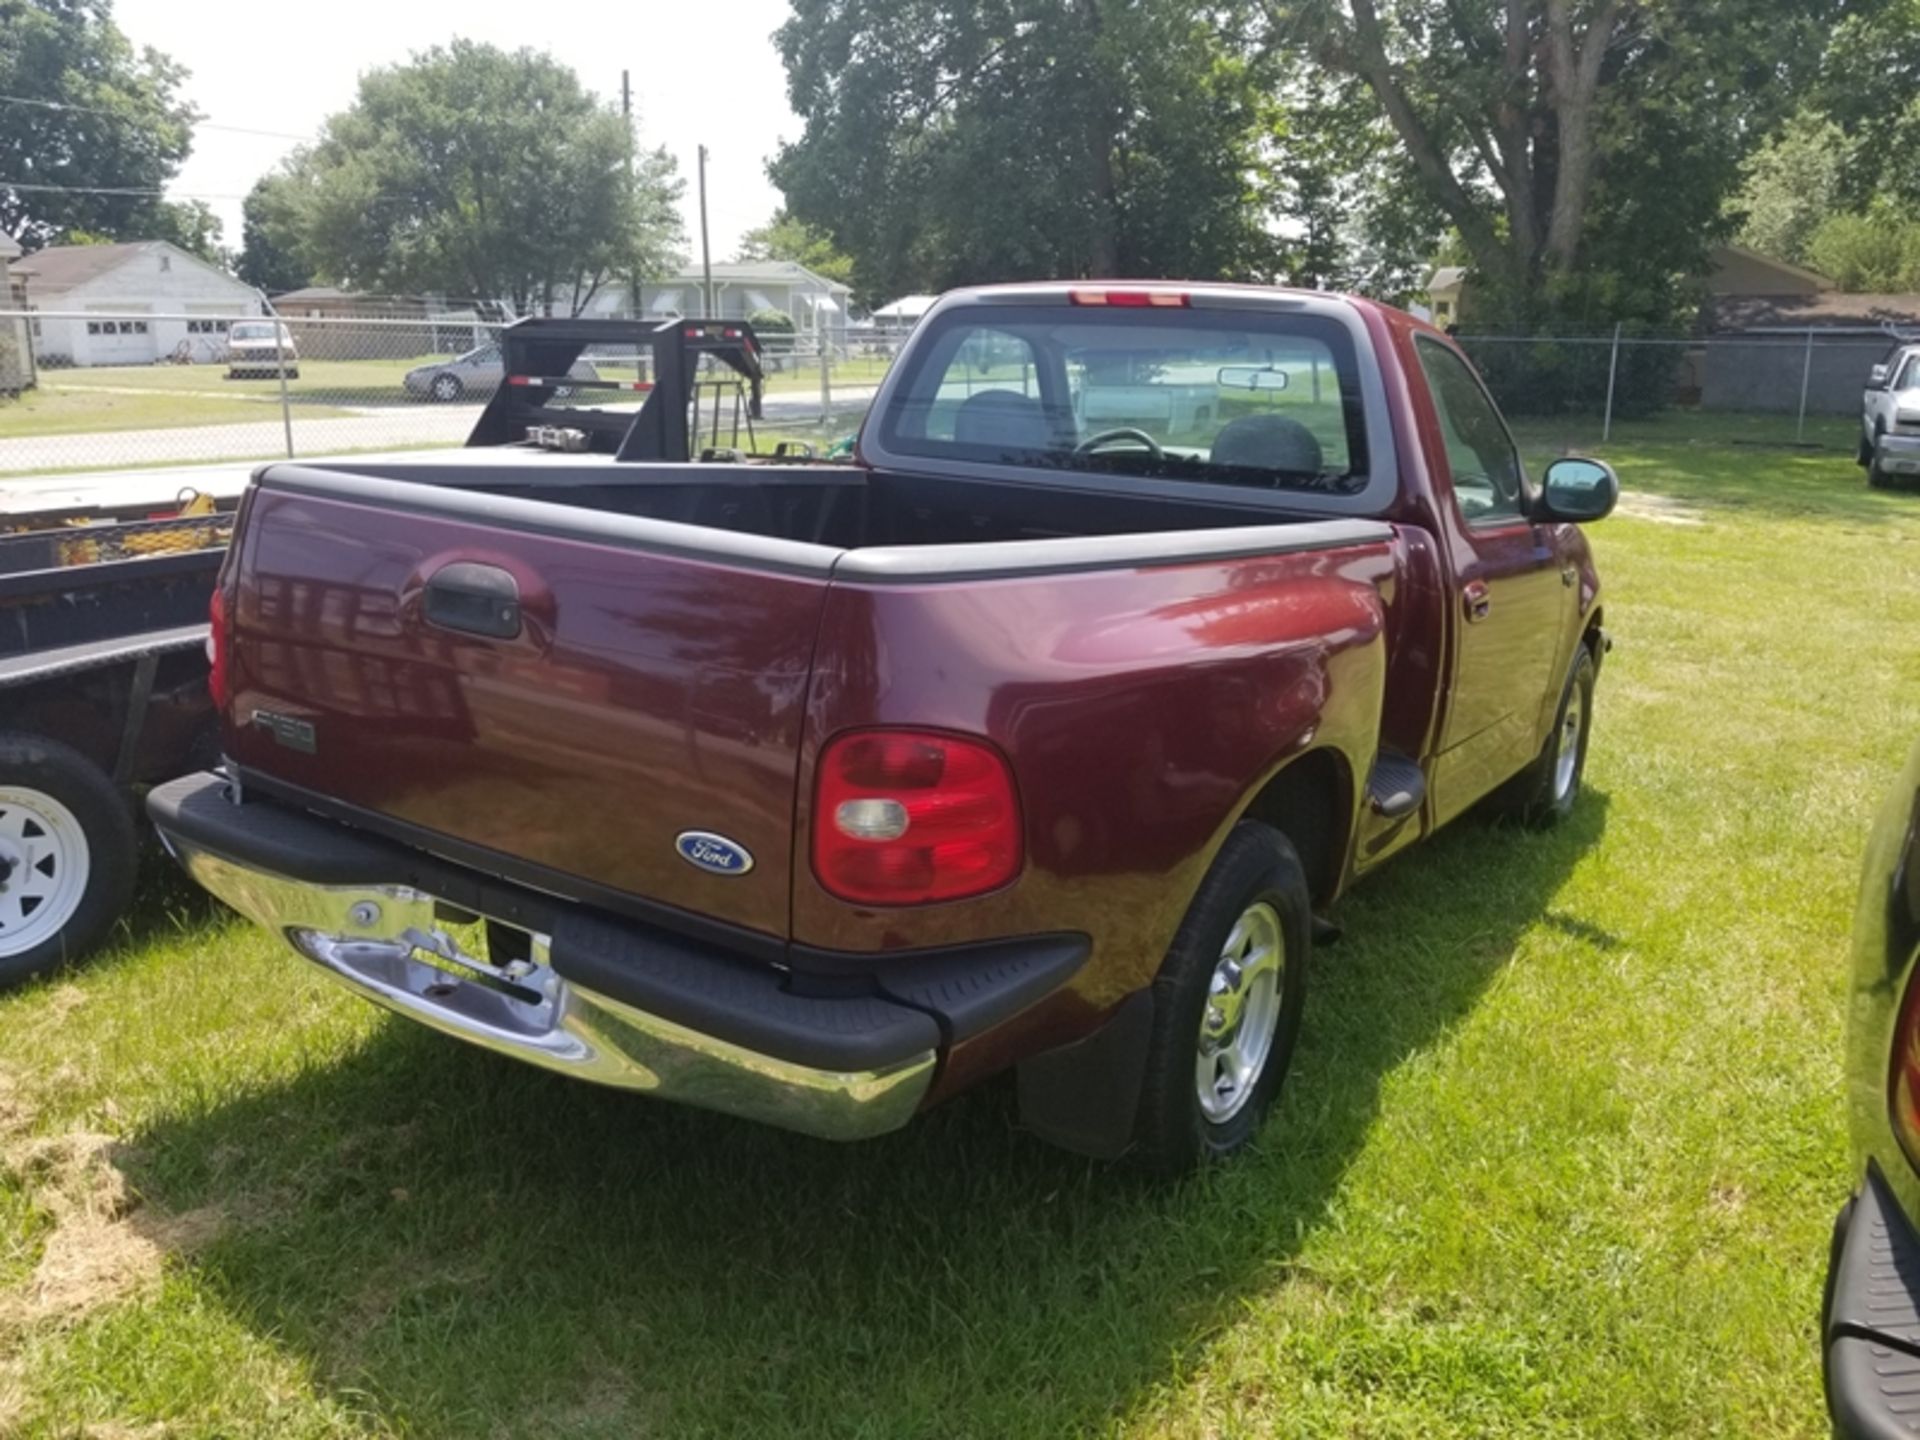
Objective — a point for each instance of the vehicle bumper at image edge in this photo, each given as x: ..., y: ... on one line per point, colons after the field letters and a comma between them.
x: 1870, y: 1330
x: 596, y: 997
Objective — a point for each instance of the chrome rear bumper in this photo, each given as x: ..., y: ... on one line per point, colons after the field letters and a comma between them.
x: 380, y: 940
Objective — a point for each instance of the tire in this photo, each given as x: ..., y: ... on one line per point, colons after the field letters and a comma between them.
x: 445, y: 388
x: 66, y: 884
x: 1255, y: 892
x: 1863, y: 452
x: 1544, y: 794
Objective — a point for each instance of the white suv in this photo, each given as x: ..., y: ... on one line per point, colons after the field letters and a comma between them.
x: 1890, y: 418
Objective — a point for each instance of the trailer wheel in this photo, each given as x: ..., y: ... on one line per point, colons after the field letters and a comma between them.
x: 67, y: 855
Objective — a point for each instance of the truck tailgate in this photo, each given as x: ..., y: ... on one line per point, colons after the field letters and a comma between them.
x: 646, y: 693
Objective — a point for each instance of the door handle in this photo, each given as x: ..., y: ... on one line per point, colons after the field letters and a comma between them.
x: 1479, y: 600
x: 475, y: 599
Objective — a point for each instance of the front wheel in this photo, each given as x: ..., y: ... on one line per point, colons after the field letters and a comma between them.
x: 445, y: 388
x: 1227, y: 1005
x: 1543, y: 794
x: 67, y: 856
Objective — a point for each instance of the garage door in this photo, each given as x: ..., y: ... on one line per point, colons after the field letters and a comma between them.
x: 119, y: 342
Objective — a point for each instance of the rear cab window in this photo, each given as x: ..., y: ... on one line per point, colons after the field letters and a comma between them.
x: 1256, y: 399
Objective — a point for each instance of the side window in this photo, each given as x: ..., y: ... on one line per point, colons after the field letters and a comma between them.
x: 1909, y: 378
x: 1486, y: 468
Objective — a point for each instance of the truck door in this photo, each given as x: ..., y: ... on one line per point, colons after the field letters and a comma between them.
x: 1509, y: 595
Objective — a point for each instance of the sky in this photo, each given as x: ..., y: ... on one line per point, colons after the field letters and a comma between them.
x: 702, y: 74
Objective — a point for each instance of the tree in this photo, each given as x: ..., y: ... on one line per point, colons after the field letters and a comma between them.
x: 785, y: 238
x: 1353, y: 218
x: 480, y: 173
x: 1792, y: 185
x: 947, y: 141
x: 269, y: 228
x: 1869, y: 254
x: 1581, y: 149
x: 85, y: 114
x: 192, y: 225
x: 1870, y: 87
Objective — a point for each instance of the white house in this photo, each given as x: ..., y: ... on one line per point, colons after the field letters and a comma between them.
x: 152, y: 297
x: 16, y: 355
x: 740, y: 287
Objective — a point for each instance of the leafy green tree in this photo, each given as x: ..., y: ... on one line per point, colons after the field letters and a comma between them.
x: 1352, y: 217
x: 785, y: 238
x: 192, y: 225
x: 269, y: 257
x: 1582, y: 149
x: 1793, y: 184
x: 85, y: 110
x: 949, y: 142
x: 1871, y: 254
x: 481, y: 173
x: 1870, y: 87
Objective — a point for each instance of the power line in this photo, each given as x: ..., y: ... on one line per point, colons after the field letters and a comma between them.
x: 107, y: 190
x: 118, y: 115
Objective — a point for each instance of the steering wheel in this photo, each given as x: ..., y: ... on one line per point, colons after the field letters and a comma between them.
x: 1125, y: 432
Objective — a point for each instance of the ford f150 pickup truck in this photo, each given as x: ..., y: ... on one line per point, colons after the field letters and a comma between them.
x: 1148, y: 618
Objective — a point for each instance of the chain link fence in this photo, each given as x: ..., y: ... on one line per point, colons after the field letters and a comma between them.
x: 131, y: 390
x: 112, y: 391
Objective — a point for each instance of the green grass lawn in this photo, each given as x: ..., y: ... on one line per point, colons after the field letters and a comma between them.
x: 57, y: 409
x: 337, y: 382
x: 1558, y: 1157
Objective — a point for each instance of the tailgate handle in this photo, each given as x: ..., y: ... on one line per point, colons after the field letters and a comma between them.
x: 475, y: 599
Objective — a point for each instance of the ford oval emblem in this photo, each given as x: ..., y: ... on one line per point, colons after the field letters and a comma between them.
x: 713, y: 852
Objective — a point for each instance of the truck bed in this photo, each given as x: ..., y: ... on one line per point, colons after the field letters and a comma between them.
x: 555, y: 672
x: 841, y: 507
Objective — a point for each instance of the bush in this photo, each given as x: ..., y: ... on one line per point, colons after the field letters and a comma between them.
x: 771, y: 322
x: 1867, y: 254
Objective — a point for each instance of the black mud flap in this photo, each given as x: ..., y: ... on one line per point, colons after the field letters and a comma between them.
x: 1084, y: 1096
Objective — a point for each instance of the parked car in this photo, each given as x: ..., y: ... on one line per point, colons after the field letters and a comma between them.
x: 1890, y: 419
x: 261, y: 348
x: 819, y: 793
x: 1870, y: 1325
x: 476, y: 374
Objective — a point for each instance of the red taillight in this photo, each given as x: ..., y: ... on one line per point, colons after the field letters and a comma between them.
x: 217, y: 649
x: 1904, y: 1086
x: 905, y: 817
x: 1173, y: 298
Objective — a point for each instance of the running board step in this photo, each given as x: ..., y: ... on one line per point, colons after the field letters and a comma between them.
x: 1396, y: 787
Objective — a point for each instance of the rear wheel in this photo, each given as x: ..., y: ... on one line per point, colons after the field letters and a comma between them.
x: 67, y: 855
x: 1227, y: 1004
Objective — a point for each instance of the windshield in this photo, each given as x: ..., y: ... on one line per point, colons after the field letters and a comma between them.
x: 1238, y: 397
x: 252, y: 332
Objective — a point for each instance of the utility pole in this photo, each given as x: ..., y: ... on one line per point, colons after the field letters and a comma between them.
x: 633, y: 260
x: 706, y: 258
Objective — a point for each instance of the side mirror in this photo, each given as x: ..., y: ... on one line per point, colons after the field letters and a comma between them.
x: 1876, y: 377
x: 1576, y: 490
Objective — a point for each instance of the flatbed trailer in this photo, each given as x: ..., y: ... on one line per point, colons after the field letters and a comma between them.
x: 105, y: 582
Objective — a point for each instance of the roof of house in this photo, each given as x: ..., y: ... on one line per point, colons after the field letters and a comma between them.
x: 1813, y: 279
x: 766, y: 272
x: 907, y: 307
x: 66, y: 267
x: 1447, y: 277
x: 1823, y: 310
x: 319, y: 292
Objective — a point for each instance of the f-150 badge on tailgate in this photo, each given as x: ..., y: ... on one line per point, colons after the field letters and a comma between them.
x: 713, y: 852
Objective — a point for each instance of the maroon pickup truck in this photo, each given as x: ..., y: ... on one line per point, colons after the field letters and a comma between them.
x: 1147, y: 620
